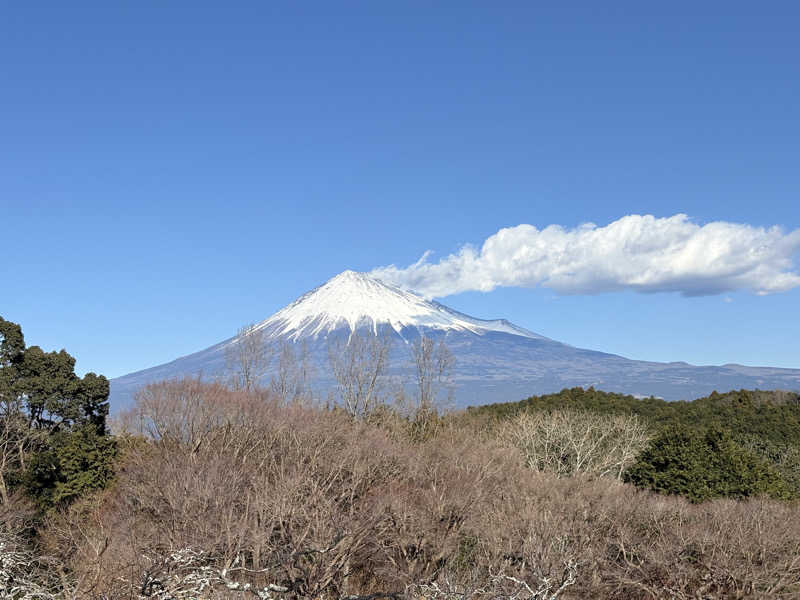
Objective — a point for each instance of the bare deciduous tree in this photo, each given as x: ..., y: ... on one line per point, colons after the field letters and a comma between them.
x: 568, y: 442
x: 16, y: 437
x: 180, y: 410
x: 291, y: 380
x: 248, y: 357
x: 359, y: 365
x: 432, y: 364
x: 189, y: 410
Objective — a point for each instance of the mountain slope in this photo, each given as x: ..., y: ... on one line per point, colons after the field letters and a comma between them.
x: 495, y: 360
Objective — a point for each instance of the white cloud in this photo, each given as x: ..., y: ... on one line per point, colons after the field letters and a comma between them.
x: 641, y: 253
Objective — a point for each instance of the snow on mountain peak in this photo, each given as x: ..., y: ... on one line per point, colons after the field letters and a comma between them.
x: 355, y: 299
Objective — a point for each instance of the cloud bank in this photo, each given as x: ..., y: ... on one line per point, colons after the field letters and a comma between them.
x: 637, y: 252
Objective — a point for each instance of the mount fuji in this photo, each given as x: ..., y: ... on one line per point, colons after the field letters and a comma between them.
x: 495, y: 359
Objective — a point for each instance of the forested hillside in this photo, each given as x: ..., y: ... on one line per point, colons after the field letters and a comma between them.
x: 771, y: 415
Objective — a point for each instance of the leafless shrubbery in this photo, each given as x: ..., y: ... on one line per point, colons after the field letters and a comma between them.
x: 187, y: 410
x: 16, y: 436
x: 256, y: 498
x: 24, y: 575
x: 496, y: 586
x: 568, y: 442
x: 664, y: 547
x: 187, y: 574
x: 25, y: 572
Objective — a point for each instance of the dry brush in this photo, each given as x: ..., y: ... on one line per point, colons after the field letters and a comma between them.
x: 226, y: 494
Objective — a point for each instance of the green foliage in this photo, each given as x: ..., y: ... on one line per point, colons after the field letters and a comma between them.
x: 55, y: 397
x: 762, y: 426
x: 773, y: 416
x: 70, y: 466
x: 702, y: 464
x: 785, y: 458
x: 12, y: 343
x: 87, y: 463
x: 57, y: 417
x: 466, y: 556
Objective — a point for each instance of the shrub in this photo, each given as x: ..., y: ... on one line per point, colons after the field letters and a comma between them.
x: 568, y: 442
x: 702, y: 464
x: 71, y: 465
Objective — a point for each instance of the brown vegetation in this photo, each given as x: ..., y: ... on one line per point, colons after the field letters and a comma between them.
x: 230, y: 494
x: 569, y: 442
x: 248, y: 356
x: 358, y: 365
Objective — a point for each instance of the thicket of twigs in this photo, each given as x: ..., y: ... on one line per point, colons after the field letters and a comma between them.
x: 224, y: 494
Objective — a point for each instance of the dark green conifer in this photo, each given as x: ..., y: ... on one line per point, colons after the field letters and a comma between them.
x: 702, y: 464
x: 60, y: 417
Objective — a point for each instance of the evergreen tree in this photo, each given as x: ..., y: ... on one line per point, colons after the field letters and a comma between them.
x: 702, y: 464
x: 55, y: 421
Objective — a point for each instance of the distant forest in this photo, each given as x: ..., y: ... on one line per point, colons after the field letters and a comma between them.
x: 771, y: 415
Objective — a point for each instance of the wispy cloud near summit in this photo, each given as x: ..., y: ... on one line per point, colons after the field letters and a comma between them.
x: 637, y: 252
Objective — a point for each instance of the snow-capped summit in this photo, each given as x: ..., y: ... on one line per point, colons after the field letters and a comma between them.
x: 355, y: 300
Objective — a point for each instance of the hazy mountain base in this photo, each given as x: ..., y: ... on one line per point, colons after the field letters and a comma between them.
x: 497, y: 367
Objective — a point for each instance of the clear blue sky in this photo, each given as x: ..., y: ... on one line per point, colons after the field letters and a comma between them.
x: 172, y: 170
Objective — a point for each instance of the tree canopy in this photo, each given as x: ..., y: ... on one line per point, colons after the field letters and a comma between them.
x: 702, y: 464
x: 53, y: 434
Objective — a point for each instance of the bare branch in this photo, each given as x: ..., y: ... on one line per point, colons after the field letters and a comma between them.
x: 248, y: 358
x: 568, y: 442
x: 359, y: 366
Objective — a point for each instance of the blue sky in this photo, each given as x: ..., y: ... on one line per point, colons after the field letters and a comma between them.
x: 171, y: 171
